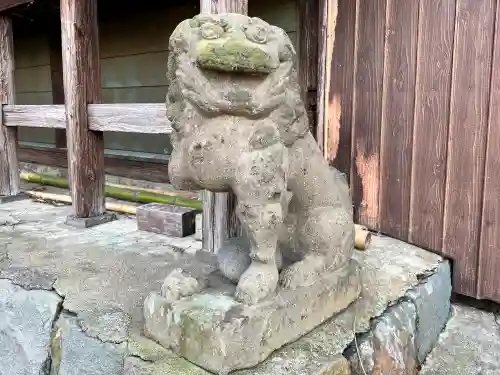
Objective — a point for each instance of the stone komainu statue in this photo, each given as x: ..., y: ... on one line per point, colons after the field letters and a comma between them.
x: 240, y: 124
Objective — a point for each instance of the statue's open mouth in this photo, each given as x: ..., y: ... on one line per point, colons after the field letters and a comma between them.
x: 234, y: 55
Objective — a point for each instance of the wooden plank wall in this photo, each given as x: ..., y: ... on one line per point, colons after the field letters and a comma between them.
x: 419, y: 86
x: 134, y: 52
x: 489, y: 256
x: 33, y: 81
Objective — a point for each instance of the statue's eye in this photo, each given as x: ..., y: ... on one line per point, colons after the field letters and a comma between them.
x: 257, y: 34
x: 211, y: 31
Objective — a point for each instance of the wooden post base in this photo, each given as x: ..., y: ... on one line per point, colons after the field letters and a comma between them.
x: 88, y: 222
x: 12, y: 198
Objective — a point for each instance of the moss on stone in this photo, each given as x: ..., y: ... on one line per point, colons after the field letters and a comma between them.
x: 190, y: 325
x: 178, y: 365
x: 146, y: 349
x: 233, y: 55
x: 56, y: 348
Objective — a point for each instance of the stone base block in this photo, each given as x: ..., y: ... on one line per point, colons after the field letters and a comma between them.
x: 88, y: 222
x: 399, y: 340
x: 12, y: 198
x: 389, y: 346
x: 432, y: 300
x: 216, y: 332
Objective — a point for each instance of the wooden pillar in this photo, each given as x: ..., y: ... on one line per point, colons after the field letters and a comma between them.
x: 328, y: 111
x: 9, y: 165
x: 82, y: 81
x: 224, y: 6
x: 56, y: 73
x: 219, y: 217
x: 308, y: 12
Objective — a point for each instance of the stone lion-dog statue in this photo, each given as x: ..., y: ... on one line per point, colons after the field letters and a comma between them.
x: 240, y: 125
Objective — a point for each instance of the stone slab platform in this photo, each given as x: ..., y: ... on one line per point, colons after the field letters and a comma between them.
x: 92, y: 284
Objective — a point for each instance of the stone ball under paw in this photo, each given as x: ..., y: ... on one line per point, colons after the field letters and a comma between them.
x: 179, y: 284
x: 234, y: 258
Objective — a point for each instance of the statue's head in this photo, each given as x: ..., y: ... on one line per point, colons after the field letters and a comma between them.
x: 234, y: 65
x: 233, y: 43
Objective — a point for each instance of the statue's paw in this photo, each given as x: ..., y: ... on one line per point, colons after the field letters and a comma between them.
x: 257, y: 283
x: 179, y: 284
x: 302, y: 273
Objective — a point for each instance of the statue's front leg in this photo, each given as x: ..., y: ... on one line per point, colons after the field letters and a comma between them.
x: 260, y: 191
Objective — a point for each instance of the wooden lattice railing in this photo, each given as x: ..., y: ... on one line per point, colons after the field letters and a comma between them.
x: 85, y: 120
x: 128, y: 118
x: 83, y: 117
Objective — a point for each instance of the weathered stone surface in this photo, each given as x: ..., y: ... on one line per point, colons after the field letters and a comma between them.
x: 239, y: 124
x: 114, y: 264
x: 28, y: 278
x: 4, y: 259
x: 432, y: 299
x: 109, y: 324
x: 12, y: 198
x: 389, y: 268
x: 75, y: 353
x: 220, y: 334
x: 389, y: 347
x: 305, y: 361
x: 146, y: 349
x: 172, y: 366
x: 26, y: 319
x: 469, y: 345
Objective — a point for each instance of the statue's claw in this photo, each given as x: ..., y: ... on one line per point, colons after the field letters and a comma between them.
x: 257, y: 283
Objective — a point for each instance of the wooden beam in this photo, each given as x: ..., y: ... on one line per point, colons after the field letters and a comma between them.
x: 7, y: 4
x: 56, y: 74
x: 81, y: 74
x: 126, y: 118
x: 219, y: 209
x: 129, y: 118
x: 9, y: 166
x: 146, y: 169
x: 35, y: 116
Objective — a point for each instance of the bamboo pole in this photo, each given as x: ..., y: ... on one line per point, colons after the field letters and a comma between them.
x: 362, y: 237
x: 125, y: 194
x: 182, y: 194
x: 115, y: 207
x: 362, y: 234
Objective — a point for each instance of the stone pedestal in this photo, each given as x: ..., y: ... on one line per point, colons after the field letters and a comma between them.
x: 216, y: 332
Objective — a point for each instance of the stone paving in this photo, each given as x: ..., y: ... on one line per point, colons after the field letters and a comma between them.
x: 71, y: 302
x: 470, y: 344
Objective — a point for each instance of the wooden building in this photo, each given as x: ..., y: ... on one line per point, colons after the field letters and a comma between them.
x: 402, y: 94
